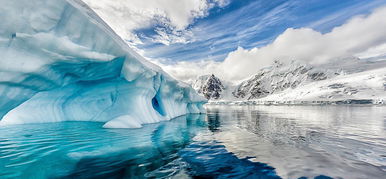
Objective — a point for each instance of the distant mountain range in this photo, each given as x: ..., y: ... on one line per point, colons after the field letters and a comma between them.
x: 349, y: 80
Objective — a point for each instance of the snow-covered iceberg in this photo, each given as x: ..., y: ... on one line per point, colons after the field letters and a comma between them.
x: 60, y: 62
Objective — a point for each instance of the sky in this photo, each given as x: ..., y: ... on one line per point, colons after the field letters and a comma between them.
x: 235, y: 38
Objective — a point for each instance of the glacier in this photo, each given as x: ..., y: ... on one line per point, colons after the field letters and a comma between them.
x: 60, y: 62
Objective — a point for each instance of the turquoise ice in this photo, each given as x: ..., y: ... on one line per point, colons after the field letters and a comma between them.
x: 60, y: 62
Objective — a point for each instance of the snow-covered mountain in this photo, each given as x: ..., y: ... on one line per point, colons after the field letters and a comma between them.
x: 350, y: 80
x: 366, y: 87
x: 209, y: 86
x: 279, y: 77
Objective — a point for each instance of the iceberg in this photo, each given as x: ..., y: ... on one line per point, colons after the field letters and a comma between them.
x: 60, y: 62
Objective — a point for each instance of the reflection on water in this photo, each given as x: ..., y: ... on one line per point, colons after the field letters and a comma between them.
x: 85, y: 149
x: 210, y: 159
x: 310, y: 141
x: 227, y: 142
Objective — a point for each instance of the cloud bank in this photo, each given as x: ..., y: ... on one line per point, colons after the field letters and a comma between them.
x: 358, y: 35
x: 174, y: 16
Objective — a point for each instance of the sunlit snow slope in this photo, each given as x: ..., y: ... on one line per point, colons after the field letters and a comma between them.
x: 368, y: 87
x: 347, y: 81
x: 60, y: 62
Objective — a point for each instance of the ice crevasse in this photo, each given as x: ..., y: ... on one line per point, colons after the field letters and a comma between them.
x: 60, y: 62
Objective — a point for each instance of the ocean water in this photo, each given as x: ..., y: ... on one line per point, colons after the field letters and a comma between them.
x: 227, y: 142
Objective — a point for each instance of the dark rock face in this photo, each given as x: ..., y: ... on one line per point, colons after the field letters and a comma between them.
x: 317, y: 76
x: 212, y: 88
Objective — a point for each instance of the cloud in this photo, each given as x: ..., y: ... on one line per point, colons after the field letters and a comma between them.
x: 126, y: 16
x: 187, y: 71
x: 168, y: 37
x: 356, y: 36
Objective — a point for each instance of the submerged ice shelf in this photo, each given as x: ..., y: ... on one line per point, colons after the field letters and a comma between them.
x: 61, y: 62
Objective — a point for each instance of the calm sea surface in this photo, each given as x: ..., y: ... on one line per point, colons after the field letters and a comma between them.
x: 227, y: 142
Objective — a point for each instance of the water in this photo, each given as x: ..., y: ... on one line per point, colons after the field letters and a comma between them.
x: 227, y: 142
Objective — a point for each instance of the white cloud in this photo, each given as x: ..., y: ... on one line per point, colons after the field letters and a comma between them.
x: 222, y: 3
x: 168, y: 37
x: 373, y: 52
x: 126, y: 16
x: 187, y: 71
x: 358, y: 35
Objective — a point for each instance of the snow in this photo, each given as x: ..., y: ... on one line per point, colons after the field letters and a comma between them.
x: 209, y: 86
x: 279, y: 77
x: 61, y: 62
x: 200, y: 82
x: 344, y: 81
x: 367, y: 85
x: 215, y: 88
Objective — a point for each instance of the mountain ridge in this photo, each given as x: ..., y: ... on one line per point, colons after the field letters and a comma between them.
x: 298, y: 83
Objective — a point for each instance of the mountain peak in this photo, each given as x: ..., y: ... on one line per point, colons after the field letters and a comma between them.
x: 209, y: 86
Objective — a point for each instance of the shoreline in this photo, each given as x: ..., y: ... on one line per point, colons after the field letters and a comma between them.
x: 375, y: 102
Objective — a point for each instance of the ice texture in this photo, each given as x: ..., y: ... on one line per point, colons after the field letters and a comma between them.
x: 60, y: 62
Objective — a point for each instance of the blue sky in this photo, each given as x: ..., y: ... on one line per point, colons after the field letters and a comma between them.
x: 233, y: 39
x: 249, y: 24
